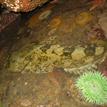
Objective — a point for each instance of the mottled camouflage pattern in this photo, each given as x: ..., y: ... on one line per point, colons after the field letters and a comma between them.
x: 29, y: 5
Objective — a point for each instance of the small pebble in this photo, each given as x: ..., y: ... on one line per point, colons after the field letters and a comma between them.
x: 99, y: 51
x: 26, y: 83
x: 78, y: 53
x: 26, y: 103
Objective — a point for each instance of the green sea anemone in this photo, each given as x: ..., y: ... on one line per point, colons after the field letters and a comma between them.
x: 93, y: 87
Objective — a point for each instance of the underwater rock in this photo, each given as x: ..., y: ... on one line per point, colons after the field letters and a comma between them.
x: 97, y: 3
x: 103, y: 23
x: 99, y: 51
x: 22, y: 5
x: 93, y: 87
x: 78, y: 54
x: 40, y: 90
